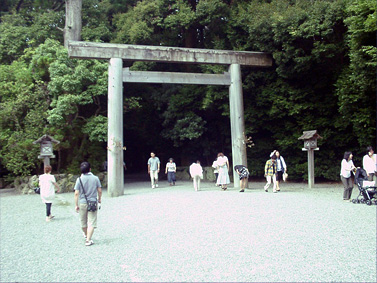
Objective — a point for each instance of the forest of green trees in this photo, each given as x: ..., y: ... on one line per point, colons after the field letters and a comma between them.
x: 323, y: 78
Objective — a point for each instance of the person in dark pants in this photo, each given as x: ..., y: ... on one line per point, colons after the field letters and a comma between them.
x: 345, y: 175
x: 47, y: 183
x: 215, y: 167
x: 170, y: 170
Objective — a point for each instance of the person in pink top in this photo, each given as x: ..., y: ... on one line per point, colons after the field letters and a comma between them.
x: 370, y: 163
x: 47, y: 184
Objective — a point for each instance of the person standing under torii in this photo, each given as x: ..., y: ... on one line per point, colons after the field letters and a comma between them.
x: 223, y: 165
x: 270, y: 172
x: 281, y: 168
x: 154, y: 169
x: 215, y: 170
x: 170, y: 170
x: 196, y: 173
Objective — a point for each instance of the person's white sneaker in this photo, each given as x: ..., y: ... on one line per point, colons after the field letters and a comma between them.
x: 156, y: 185
x: 153, y: 187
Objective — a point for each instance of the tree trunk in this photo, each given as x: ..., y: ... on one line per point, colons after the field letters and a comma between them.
x: 73, y: 21
x: 59, y: 160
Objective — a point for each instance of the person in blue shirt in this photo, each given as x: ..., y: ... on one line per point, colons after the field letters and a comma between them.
x: 87, y: 188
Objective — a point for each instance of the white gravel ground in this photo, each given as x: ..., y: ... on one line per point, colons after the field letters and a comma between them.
x: 175, y: 234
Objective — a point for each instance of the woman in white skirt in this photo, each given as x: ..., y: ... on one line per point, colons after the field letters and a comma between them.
x: 223, y: 165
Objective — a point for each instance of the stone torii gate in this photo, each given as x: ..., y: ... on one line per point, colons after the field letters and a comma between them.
x: 116, y: 53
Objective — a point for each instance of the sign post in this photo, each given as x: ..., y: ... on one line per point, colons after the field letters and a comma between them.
x: 310, y: 144
x: 46, y: 148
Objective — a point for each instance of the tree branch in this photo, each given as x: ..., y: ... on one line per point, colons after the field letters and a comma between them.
x: 19, y: 4
x: 58, y: 5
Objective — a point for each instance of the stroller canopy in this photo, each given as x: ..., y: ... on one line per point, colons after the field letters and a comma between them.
x: 361, y: 175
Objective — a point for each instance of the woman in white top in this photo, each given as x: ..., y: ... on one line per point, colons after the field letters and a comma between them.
x: 215, y: 170
x: 223, y: 164
x: 170, y: 169
x: 196, y: 172
x: 369, y: 163
x: 345, y: 175
x: 47, y: 184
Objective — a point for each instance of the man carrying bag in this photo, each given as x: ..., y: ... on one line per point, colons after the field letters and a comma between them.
x: 87, y: 189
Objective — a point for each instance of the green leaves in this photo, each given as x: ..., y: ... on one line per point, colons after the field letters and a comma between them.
x: 23, y: 108
x: 13, y: 38
x: 96, y: 128
x: 137, y: 26
x: 188, y: 128
x: 181, y: 16
x: 356, y: 87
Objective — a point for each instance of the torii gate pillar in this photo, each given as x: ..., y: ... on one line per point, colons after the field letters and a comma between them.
x: 237, y: 121
x: 115, y: 128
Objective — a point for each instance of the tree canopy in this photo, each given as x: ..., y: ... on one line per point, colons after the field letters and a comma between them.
x: 323, y: 78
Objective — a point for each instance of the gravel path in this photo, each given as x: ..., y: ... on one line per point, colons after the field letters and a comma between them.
x: 175, y: 234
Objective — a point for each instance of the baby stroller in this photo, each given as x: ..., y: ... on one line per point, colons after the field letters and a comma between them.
x: 367, y: 189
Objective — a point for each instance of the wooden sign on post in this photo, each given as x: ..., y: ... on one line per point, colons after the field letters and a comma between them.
x: 310, y: 144
x: 46, y: 148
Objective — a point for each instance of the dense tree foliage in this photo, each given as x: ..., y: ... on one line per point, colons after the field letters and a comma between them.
x: 323, y: 78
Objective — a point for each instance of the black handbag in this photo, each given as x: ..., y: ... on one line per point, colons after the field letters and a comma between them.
x: 92, y: 205
x: 37, y: 190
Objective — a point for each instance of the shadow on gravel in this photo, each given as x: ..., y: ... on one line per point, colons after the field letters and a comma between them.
x: 10, y: 192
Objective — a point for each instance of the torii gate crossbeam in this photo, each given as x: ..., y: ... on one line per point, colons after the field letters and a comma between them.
x: 95, y: 50
x: 116, y: 53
